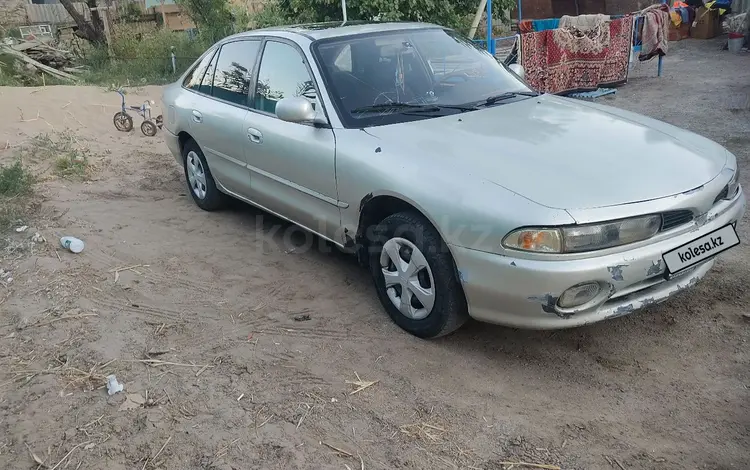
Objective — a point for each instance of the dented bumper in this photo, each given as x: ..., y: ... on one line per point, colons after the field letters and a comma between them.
x: 523, y: 293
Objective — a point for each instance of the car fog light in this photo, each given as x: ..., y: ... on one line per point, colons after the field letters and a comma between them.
x: 579, y: 295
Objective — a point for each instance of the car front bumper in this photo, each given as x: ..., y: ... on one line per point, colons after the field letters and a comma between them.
x: 523, y: 293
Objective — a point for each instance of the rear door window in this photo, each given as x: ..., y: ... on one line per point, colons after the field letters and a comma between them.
x: 234, y: 71
x: 195, y: 77
x: 205, y: 86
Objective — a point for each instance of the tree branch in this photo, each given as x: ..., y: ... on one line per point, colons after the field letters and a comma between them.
x: 86, y: 30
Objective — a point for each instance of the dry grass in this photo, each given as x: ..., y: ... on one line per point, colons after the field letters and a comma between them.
x: 16, y: 187
x: 60, y: 153
x: 70, y: 159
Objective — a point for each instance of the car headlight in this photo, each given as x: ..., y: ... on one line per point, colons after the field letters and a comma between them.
x: 734, y: 184
x: 537, y: 240
x: 580, y: 238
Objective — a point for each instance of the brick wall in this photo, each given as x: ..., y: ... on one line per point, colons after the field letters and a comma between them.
x: 564, y: 7
x: 618, y: 7
x: 534, y: 9
x: 591, y: 7
x: 537, y: 9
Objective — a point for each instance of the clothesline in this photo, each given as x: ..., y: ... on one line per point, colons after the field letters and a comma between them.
x: 526, y: 26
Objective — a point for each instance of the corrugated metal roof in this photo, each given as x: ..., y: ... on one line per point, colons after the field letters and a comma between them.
x: 156, y: 3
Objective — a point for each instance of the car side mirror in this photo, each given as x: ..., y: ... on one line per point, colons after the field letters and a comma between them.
x: 517, y: 69
x: 299, y: 110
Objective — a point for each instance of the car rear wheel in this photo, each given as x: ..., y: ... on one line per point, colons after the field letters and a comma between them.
x: 415, y: 276
x: 199, y: 179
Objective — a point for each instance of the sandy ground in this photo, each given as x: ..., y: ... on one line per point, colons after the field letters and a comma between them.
x: 259, y: 339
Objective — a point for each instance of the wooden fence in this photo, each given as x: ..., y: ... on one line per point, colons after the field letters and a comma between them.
x: 53, y: 13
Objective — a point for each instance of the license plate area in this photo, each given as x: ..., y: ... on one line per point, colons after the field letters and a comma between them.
x: 680, y: 259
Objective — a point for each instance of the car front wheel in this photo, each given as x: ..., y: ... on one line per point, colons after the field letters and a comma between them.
x: 415, y: 276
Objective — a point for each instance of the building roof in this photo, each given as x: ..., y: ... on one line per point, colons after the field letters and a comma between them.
x: 157, y: 3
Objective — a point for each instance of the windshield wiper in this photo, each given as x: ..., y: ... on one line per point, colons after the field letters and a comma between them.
x: 410, y: 108
x: 505, y: 96
x: 396, y: 106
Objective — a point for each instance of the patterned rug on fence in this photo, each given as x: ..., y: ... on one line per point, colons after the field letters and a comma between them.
x: 564, y: 60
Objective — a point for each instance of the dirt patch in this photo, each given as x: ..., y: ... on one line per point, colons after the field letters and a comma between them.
x: 237, y: 350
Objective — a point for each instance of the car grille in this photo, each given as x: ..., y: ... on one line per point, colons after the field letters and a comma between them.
x: 672, y: 219
x: 723, y: 194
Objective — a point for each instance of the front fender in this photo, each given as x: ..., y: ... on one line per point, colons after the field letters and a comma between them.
x: 466, y: 209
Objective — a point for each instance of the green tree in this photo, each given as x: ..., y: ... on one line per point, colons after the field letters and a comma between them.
x: 213, y: 18
x: 452, y: 13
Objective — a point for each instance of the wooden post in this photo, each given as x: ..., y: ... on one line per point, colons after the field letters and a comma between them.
x: 477, y: 18
x: 104, y: 14
x: 163, y: 15
x: 107, y: 32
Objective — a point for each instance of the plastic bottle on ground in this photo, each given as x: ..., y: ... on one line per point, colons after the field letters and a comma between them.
x: 72, y: 243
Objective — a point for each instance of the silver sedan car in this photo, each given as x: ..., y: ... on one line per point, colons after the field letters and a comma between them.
x: 463, y: 191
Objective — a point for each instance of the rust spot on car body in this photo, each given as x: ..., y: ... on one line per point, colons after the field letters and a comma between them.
x: 616, y: 272
x: 655, y: 268
x: 364, y: 201
x: 548, y: 302
x: 623, y: 310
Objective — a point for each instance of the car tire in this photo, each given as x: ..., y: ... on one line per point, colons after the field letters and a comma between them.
x: 400, y: 234
x: 199, y: 179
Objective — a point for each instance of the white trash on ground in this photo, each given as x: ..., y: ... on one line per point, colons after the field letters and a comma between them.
x: 72, y: 243
x: 113, y: 386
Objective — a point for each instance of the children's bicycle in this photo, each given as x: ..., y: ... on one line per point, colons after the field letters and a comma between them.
x: 124, y: 122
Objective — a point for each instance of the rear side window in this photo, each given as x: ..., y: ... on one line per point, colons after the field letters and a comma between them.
x: 234, y: 71
x: 205, y: 86
x: 195, y: 77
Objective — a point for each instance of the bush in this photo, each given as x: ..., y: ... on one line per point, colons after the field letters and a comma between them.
x: 15, y: 180
x: 143, y: 55
x: 270, y: 15
x: 130, y: 12
x: 215, y: 19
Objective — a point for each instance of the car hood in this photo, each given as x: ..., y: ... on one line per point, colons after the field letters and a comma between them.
x: 562, y: 153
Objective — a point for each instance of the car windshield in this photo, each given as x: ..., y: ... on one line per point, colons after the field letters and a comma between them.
x: 405, y: 75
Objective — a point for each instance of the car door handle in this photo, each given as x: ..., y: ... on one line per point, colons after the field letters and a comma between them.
x: 197, y: 116
x: 254, y: 135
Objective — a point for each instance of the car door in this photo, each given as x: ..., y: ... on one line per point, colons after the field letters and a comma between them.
x: 292, y: 165
x: 219, y: 111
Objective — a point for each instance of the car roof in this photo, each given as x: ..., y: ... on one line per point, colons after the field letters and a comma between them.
x: 332, y: 29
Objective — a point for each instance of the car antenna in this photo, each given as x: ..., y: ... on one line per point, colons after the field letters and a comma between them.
x: 343, y: 9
